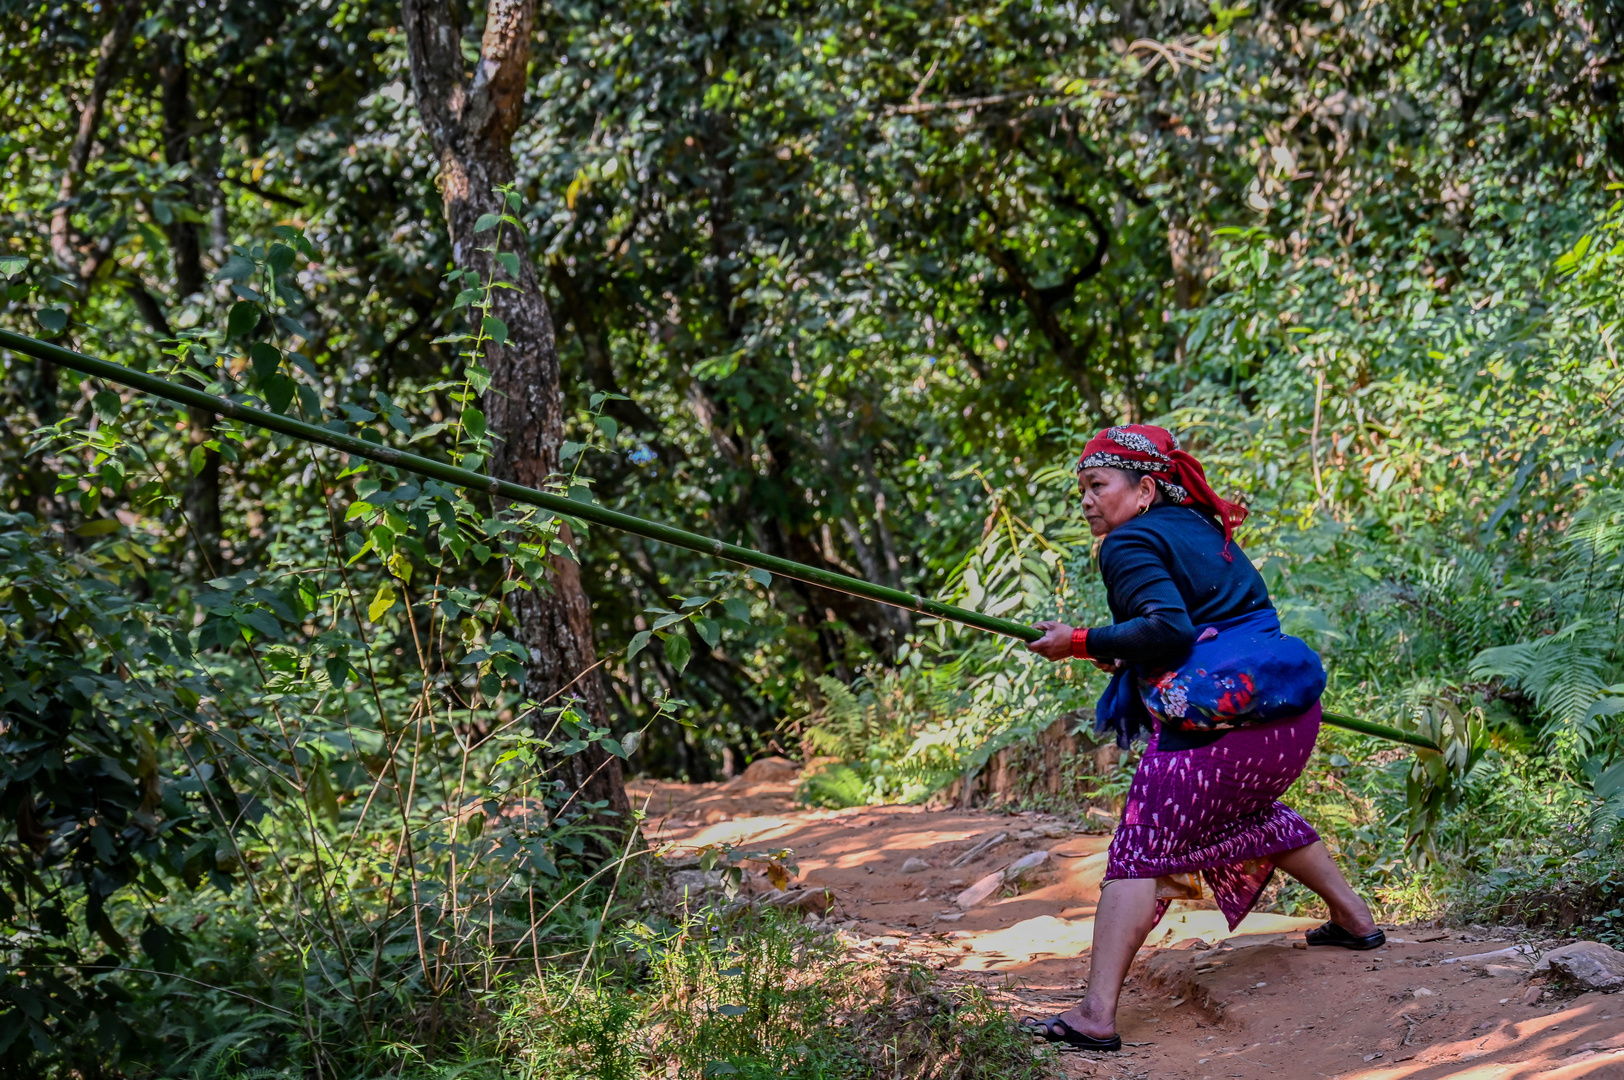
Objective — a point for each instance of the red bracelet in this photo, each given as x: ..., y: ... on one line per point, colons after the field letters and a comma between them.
x: 1079, y: 643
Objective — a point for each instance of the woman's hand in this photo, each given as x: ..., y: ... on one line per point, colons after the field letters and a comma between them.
x: 1055, y: 644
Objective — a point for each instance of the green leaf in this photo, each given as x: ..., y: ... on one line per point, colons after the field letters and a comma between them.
x: 266, y: 359
x: 509, y: 261
x: 495, y: 329
x: 243, y: 318
x: 280, y: 258
x: 677, y: 651
x: 762, y: 577
x: 12, y: 265
x: 737, y: 608
x: 198, y: 459
x: 569, y: 450
x: 473, y: 422
x: 429, y: 432
x: 607, y: 425
x: 107, y: 405
x: 639, y: 642
x: 278, y: 392
x: 709, y: 630
x: 487, y: 221
x: 381, y: 603
x: 236, y: 268
x: 99, y: 527
x: 309, y: 402
x: 260, y: 621
x: 53, y: 319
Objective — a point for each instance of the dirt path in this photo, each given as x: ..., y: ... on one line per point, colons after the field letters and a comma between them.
x: 1202, y: 1003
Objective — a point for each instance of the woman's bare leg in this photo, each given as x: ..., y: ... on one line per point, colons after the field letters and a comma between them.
x: 1124, y: 918
x: 1314, y: 867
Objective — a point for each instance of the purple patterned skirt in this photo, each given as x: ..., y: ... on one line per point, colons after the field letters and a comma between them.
x: 1216, y: 810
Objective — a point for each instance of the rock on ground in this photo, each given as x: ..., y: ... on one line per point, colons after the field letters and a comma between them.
x: 771, y: 770
x: 1587, y: 964
x: 981, y: 891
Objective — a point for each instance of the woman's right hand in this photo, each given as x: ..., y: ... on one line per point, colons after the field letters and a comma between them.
x: 1055, y: 644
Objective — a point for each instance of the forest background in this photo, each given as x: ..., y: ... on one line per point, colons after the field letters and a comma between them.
x: 310, y: 766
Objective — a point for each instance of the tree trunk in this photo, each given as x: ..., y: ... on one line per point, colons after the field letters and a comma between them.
x: 201, y: 499
x: 470, y: 123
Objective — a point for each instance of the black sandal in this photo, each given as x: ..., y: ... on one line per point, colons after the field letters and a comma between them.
x: 1068, y: 1036
x: 1332, y: 934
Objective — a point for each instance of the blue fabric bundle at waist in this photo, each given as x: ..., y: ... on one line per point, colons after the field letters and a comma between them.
x: 1240, y: 672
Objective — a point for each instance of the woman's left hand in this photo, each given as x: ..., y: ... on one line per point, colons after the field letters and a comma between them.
x: 1055, y: 644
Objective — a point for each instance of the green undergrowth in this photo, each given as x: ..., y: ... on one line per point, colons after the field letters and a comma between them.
x: 762, y: 998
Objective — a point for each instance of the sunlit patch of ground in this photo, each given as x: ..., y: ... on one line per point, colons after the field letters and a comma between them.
x: 1203, y: 1003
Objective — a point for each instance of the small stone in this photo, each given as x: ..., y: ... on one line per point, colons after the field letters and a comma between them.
x: 697, y: 880
x: 1422, y: 992
x: 981, y: 891
x: 915, y: 866
x: 1533, y: 995
x: 1260, y: 986
x: 1587, y: 964
x: 771, y: 770
x: 1026, y: 865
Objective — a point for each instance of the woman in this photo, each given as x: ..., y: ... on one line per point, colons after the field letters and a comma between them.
x: 1231, y: 706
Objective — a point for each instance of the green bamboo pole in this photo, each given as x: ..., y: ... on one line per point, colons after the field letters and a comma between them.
x: 558, y: 504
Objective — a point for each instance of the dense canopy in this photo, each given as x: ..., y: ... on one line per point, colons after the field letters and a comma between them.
x: 849, y: 283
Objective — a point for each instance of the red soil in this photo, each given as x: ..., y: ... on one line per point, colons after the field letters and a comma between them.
x: 1202, y: 1003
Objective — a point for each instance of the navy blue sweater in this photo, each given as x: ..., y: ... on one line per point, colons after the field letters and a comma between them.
x: 1165, y: 574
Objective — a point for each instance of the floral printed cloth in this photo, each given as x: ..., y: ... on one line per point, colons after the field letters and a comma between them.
x: 1240, y: 672
x: 1215, y: 810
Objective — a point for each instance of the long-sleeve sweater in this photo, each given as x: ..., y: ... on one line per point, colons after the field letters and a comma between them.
x: 1165, y: 574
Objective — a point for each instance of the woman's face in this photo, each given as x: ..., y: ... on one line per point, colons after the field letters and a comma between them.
x: 1112, y: 497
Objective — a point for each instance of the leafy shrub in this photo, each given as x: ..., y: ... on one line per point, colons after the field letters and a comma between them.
x: 761, y: 999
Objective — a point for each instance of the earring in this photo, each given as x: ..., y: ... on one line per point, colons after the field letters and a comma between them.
x: 1142, y: 510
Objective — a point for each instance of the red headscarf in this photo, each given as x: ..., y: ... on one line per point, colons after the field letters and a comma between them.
x: 1154, y: 450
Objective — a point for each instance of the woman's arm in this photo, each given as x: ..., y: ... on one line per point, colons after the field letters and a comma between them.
x: 1159, y: 630
x: 1062, y: 641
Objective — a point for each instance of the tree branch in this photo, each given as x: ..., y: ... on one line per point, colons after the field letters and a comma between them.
x: 107, y: 58
x: 1048, y: 322
x: 264, y: 192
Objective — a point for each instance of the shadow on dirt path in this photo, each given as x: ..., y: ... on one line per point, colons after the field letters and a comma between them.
x: 1202, y: 1003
